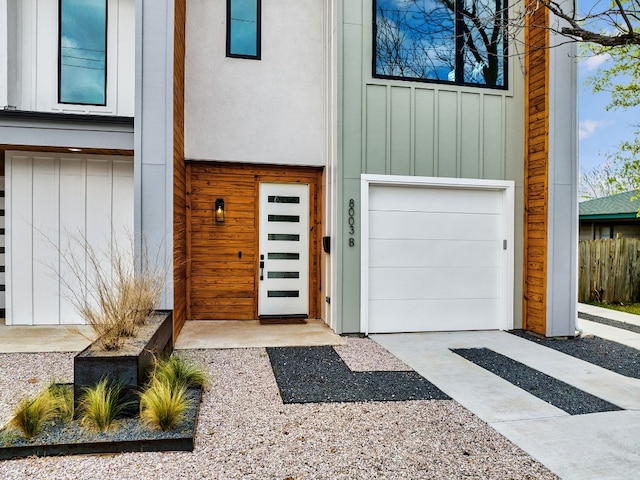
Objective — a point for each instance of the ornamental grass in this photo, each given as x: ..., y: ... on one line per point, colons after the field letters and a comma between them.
x: 163, y: 404
x: 101, y: 405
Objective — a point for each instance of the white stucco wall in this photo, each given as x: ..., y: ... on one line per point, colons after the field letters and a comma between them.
x: 260, y: 111
x: 35, y: 59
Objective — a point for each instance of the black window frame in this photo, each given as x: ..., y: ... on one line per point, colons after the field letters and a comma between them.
x: 258, y: 54
x: 106, y: 57
x: 459, y: 55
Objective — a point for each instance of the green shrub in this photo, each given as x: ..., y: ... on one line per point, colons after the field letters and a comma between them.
x: 163, y: 404
x: 100, y: 405
x: 176, y: 370
x: 32, y: 413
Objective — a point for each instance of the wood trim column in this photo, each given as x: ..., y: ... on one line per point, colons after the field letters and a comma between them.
x: 536, y: 172
x: 179, y: 173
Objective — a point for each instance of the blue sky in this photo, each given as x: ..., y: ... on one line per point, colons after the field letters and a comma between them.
x: 601, y: 131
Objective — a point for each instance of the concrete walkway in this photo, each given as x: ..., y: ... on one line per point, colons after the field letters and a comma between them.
x: 593, y: 446
x: 605, y: 331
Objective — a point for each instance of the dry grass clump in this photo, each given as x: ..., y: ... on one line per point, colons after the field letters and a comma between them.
x: 100, y: 405
x: 109, y: 292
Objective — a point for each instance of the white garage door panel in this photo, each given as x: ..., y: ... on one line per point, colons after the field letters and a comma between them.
x: 432, y: 315
x: 437, y: 199
x: 454, y: 226
x: 439, y: 282
x: 433, y: 253
x: 435, y: 256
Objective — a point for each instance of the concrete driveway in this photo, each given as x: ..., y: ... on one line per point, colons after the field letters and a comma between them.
x: 591, y: 446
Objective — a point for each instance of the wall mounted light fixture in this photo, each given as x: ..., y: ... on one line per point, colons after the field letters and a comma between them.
x: 219, y: 210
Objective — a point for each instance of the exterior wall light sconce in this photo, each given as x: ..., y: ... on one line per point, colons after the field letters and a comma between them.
x: 219, y: 210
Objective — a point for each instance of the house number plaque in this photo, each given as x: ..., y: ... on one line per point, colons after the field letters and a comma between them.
x: 351, y: 221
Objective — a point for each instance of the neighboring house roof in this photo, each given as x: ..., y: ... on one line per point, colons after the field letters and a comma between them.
x: 611, y: 207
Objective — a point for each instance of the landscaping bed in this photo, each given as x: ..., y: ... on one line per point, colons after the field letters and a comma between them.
x: 58, y: 437
x: 130, y: 364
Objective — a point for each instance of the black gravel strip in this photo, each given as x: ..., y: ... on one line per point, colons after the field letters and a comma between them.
x: 612, y: 323
x: 559, y: 394
x: 319, y: 375
x: 604, y: 353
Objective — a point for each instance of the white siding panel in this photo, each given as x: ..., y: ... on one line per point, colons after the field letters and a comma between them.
x: 73, y: 208
x: 123, y: 183
x: 98, y: 223
x: 50, y: 200
x: 20, y: 235
x: 46, y: 291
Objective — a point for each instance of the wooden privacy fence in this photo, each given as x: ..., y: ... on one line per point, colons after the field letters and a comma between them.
x: 609, y: 270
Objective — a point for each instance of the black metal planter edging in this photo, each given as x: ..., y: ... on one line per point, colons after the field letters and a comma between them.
x: 131, y: 364
x: 184, y: 441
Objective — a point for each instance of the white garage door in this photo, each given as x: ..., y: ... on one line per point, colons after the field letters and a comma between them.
x: 436, y: 258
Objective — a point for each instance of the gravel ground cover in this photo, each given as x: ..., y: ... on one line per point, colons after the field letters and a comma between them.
x: 613, y: 356
x: 612, y: 323
x: 244, y: 431
x: 556, y: 392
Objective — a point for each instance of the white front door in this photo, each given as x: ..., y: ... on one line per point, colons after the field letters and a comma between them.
x: 284, y: 250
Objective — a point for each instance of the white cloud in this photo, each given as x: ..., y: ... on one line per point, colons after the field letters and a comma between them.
x: 595, y: 61
x: 587, y: 128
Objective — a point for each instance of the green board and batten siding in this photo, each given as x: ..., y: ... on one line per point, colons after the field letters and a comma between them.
x: 413, y: 128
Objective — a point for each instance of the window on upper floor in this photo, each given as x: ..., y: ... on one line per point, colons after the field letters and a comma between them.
x: 243, y: 28
x: 82, y: 52
x: 446, y: 41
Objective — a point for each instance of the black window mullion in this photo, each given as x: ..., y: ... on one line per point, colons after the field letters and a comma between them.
x: 460, y: 41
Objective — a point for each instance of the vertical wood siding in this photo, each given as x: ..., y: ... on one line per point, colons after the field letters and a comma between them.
x: 221, y: 282
x: 536, y: 174
x: 179, y: 174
